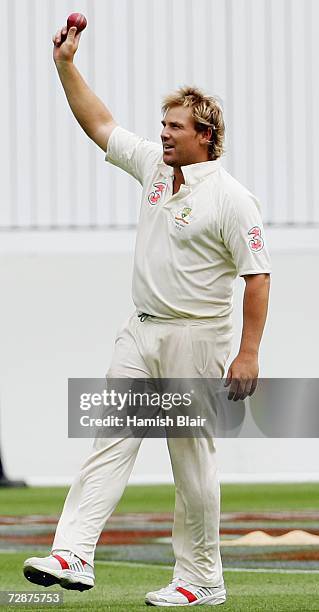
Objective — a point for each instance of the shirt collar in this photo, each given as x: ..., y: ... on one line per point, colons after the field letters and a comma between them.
x: 165, y: 170
x: 192, y: 173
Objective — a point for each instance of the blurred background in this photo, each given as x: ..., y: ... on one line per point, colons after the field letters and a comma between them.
x: 67, y: 220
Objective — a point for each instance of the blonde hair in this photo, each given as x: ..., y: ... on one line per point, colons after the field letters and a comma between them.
x: 206, y: 112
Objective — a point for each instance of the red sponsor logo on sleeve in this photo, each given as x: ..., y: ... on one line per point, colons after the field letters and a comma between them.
x: 256, y: 243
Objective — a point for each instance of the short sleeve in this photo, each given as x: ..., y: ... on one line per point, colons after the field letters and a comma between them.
x: 134, y: 154
x: 243, y: 234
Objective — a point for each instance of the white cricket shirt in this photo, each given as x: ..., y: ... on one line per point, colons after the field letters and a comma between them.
x: 190, y: 246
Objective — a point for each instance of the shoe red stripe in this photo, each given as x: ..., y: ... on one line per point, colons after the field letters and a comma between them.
x: 64, y: 564
x: 190, y: 596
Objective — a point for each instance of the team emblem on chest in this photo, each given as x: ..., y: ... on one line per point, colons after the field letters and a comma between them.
x: 155, y: 196
x: 183, y: 217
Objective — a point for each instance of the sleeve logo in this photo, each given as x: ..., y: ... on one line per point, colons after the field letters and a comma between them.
x: 156, y: 195
x: 256, y: 243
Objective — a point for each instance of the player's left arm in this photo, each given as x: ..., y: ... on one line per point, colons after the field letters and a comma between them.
x: 243, y: 372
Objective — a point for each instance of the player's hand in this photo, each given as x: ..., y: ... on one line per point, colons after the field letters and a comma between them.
x: 242, y: 376
x: 64, y: 51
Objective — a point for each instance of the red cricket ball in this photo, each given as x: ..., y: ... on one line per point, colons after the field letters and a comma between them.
x: 75, y: 20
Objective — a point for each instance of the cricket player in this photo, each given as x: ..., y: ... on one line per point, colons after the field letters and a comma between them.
x: 198, y: 229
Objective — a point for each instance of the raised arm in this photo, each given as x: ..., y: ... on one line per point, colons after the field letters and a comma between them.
x: 90, y: 112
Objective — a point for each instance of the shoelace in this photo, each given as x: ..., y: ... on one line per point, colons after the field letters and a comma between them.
x: 170, y: 586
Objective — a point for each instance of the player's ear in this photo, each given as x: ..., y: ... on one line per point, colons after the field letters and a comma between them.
x: 206, y: 136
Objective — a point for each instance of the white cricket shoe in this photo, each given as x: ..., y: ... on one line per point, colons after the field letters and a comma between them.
x: 182, y: 593
x: 61, y: 567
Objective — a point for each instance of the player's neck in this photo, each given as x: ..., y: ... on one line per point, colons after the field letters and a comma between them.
x: 178, y: 180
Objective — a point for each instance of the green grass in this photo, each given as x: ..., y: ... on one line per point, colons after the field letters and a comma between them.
x: 160, y: 498
x: 264, y: 497
x: 121, y: 588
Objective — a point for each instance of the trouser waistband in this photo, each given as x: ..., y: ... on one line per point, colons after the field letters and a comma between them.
x: 143, y: 316
x: 218, y: 321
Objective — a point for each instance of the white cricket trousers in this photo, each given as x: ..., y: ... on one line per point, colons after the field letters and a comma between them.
x: 157, y: 348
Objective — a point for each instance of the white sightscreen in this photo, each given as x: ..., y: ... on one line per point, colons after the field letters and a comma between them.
x: 257, y: 55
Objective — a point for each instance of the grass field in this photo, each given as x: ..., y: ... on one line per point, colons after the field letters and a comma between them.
x: 160, y: 498
x: 121, y: 585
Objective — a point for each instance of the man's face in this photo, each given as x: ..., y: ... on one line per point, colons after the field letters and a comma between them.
x: 182, y: 145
